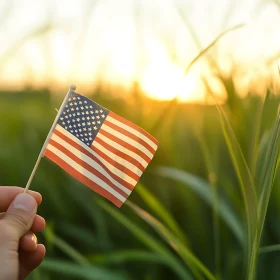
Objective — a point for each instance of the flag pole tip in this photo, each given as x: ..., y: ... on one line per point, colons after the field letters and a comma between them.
x: 73, y: 87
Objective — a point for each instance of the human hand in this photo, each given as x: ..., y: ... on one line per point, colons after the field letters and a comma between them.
x: 19, y: 252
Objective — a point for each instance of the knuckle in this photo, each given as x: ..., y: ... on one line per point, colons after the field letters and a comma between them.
x: 18, y: 218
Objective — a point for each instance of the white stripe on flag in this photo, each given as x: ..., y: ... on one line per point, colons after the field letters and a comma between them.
x: 89, y: 161
x: 127, y: 140
x: 119, y: 147
x: 112, y: 168
x: 85, y: 172
x: 133, y: 131
x: 118, y: 159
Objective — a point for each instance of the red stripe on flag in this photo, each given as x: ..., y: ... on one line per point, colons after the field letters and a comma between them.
x: 119, y: 153
x: 119, y: 166
x: 125, y: 144
x: 130, y: 135
x: 82, y: 178
x: 87, y: 167
x: 120, y: 119
x: 81, y: 149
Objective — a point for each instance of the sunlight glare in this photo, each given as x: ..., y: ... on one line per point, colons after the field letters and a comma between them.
x: 164, y: 80
x: 167, y: 81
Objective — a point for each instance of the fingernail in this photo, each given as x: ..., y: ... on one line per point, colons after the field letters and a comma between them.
x: 32, y: 237
x: 25, y: 202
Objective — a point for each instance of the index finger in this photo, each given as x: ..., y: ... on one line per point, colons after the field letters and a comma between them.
x: 7, y: 195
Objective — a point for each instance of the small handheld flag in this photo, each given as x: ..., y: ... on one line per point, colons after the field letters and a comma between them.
x: 102, y: 150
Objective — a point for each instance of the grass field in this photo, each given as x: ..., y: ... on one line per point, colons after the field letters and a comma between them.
x: 205, y: 194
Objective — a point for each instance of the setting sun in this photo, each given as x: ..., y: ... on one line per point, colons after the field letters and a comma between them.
x: 166, y: 81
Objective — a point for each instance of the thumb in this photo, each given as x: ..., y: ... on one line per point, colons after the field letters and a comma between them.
x: 20, y: 215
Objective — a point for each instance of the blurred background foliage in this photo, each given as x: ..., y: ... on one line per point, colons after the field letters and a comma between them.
x: 186, y: 219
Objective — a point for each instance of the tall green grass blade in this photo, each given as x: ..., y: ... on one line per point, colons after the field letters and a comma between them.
x: 80, y: 272
x: 161, y: 211
x: 65, y: 247
x: 212, y: 177
x: 257, y: 130
x: 263, y: 146
x: 269, y: 166
x: 148, y: 240
x: 245, y: 179
x: 214, y: 42
x: 91, y: 209
x: 266, y: 183
x: 82, y: 235
x: 269, y: 249
x: 203, y: 189
x: 49, y: 235
x: 187, y: 256
x: 241, y: 168
x: 127, y: 256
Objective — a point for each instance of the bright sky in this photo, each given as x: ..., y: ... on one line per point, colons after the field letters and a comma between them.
x: 149, y: 41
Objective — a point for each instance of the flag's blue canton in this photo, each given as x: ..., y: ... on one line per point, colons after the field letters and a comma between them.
x: 83, y: 118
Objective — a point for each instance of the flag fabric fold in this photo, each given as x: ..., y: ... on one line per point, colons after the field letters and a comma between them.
x: 102, y: 150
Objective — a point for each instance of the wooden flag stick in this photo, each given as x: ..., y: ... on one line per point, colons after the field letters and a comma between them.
x: 71, y: 90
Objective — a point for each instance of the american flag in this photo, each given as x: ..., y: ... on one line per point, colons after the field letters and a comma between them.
x: 100, y: 149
